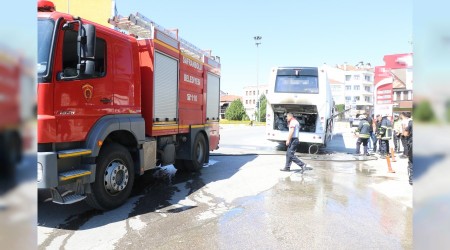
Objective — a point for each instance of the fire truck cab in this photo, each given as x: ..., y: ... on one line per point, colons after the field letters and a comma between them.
x: 112, y: 105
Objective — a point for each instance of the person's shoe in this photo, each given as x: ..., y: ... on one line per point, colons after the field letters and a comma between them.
x: 285, y: 169
x: 367, y: 154
x: 403, y: 156
x: 302, y: 169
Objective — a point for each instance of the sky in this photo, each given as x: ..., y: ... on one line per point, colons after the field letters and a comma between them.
x: 18, y: 32
x: 294, y: 33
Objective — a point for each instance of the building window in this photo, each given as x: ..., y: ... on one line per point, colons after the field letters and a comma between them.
x: 356, y: 87
x: 246, y: 101
x: 356, y: 77
x: 253, y: 101
x: 367, y: 78
x: 356, y: 98
x: 367, y: 98
x: 267, y: 91
x: 348, y: 98
x: 367, y: 88
x: 348, y: 77
x: 348, y: 87
x: 406, y: 95
x: 254, y: 93
x: 246, y: 92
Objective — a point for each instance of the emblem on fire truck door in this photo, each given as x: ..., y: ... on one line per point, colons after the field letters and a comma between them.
x: 88, y: 91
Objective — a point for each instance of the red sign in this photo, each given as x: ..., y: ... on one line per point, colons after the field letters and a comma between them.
x: 381, y: 73
x: 398, y: 61
x: 384, y: 94
x: 383, y: 85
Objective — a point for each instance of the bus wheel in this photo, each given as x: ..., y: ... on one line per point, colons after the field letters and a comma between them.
x: 114, y: 178
x: 198, y: 155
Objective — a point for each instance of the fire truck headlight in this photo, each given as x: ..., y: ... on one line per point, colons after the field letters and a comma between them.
x: 40, y: 169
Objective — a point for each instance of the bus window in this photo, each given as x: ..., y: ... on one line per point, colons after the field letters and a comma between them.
x: 297, y: 84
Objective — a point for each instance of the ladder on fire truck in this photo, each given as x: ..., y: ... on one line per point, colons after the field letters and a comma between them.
x: 143, y: 27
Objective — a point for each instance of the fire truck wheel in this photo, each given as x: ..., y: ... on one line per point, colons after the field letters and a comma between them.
x: 11, y: 153
x: 114, y: 178
x: 199, y: 153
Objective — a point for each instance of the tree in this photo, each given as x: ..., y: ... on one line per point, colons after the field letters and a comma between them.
x: 424, y: 112
x: 340, y: 108
x: 262, y: 108
x: 447, y: 108
x: 235, y: 111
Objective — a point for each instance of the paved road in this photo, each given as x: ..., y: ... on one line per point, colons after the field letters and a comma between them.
x: 241, y: 202
x: 18, y: 209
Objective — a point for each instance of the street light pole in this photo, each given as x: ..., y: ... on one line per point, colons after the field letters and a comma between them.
x: 257, y: 43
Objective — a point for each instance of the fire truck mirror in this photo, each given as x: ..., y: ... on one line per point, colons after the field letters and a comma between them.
x: 86, y: 42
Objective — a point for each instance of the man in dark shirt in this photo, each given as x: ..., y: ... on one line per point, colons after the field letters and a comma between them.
x: 408, y: 134
x: 372, y: 137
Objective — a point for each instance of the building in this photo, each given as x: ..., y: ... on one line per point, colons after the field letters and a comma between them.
x: 352, y: 86
x: 393, y: 84
x: 338, y: 91
x: 98, y: 11
x: 251, y: 97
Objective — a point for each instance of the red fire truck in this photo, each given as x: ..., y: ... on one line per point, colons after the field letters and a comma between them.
x: 114, y: 103
x: 11, y: 70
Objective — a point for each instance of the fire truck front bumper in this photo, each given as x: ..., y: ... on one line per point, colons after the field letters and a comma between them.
x: 47, y: 170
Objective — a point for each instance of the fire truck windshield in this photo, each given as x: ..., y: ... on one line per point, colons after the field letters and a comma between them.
x: 45, y: 34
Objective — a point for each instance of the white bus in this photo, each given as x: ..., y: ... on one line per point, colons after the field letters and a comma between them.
x: 305, y: 92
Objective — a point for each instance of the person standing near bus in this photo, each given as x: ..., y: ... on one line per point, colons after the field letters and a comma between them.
x: 408, y: 134
x: 385, y: 132
x: 397, y: 133
x: 375, y: 127
x: 363, y: 132
x: 292, y: 143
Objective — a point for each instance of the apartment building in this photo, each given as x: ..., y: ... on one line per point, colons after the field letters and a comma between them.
x: 352, y: 86
x: 250, y: 98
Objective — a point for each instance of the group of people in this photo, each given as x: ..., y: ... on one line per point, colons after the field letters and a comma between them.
x: 380, y: 131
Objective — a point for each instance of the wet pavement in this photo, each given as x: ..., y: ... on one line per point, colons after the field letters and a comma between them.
x: 244, y: 202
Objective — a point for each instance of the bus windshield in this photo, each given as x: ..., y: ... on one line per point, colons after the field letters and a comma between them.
x: 296, y: 84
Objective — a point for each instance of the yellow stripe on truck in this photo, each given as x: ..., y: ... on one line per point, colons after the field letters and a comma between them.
x: 75, y: 154
x: 179, y: 127
x: 65, y: 178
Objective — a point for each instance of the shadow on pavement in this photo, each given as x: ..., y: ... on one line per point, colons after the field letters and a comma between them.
x: 152, y: 191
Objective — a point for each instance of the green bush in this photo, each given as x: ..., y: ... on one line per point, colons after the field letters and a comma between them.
x: 235, y: 111
x: 423, y: 112
x: 245, y: 118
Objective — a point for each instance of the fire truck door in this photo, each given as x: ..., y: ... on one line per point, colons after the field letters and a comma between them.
x: 81, y: 101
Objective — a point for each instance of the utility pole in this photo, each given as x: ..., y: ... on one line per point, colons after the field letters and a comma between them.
x: 257, y: 43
